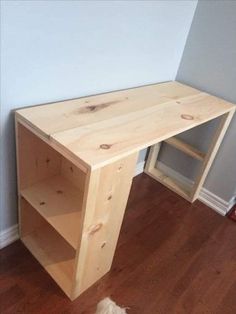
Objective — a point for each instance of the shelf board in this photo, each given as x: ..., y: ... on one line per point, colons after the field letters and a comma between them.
x: 59, y: 202
x: 186, y: 148
x: 53, y: 253
x: 170, y: 183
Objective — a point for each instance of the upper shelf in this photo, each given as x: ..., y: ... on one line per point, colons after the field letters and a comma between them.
x: 100, y: 129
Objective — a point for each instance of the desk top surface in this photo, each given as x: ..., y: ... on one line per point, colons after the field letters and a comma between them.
x: 98, y: 130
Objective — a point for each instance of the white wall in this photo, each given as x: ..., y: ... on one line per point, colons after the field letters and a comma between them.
x: 54, y: 50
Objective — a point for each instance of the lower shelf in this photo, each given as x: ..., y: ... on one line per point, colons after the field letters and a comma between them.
x: 54, y: 254
x: 59, y: 202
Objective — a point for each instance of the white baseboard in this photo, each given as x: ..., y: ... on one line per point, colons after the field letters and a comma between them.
x: 8, y: 236
x: 215, y: 202
x: 205, y: 196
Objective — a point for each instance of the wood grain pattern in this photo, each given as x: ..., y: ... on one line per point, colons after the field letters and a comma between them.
x: 60, y: 203
x: 101, y: 129
x: 48, y: 247
x: 172, y: 257
x: 104, y: 208
x: 170, y: 183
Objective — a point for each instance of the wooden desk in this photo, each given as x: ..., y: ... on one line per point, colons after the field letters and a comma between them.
x: 76, y: 160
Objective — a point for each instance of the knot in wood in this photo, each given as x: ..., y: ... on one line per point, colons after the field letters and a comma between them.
x: 91, y: 108
x: 105, y: 146
x: 94, y: 228
x: 103, y: 244
x: 187, y: 117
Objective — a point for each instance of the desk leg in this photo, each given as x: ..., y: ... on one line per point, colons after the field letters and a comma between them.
x: 212, y: 151
x: 104, y: 206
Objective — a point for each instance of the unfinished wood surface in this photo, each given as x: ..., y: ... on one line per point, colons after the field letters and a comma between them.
x: 107, y: 194
x: 60, y: 116
x: 99, y: 130
x: 73, y: 174
x: 29, y: 218
x: 60, y: 203
x: 170, y: 183
x: 186, y: 148
x: 36, y: 160
x: 152, y: 170
x: 152, y: 157
x: 21, y: 122
x: 48, y: 247
x: 208, y: 160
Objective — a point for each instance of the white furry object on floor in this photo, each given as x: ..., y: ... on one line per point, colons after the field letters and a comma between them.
x: 107, y: 306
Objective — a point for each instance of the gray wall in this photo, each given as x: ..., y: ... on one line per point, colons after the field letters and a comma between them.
x: 209, y: 63
x: 54, y: 50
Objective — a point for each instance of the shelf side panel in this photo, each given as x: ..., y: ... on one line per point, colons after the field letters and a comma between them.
x: 107, y: 194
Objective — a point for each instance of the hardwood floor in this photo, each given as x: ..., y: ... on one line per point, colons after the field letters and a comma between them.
x: 172, y: 257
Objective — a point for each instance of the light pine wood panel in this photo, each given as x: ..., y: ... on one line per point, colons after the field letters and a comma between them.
x: 73, y: 174
x: 61, y: 116
x: 36, y: 160
x: 105, y: 142
x: 30, y: 220
x: 152, y: 157
x: 101, y: 129
x: 60, y: 203
x: 170, y: 183
x: 106, y: 201
x: 48, y: 247
x: 21, y: 121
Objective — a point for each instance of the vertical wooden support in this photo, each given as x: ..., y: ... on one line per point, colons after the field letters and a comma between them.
x: 209, y: 158
x: 105, y: 202
x: 152, y: 158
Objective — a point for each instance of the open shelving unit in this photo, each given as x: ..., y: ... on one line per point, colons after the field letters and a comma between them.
x: 50, y: 201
